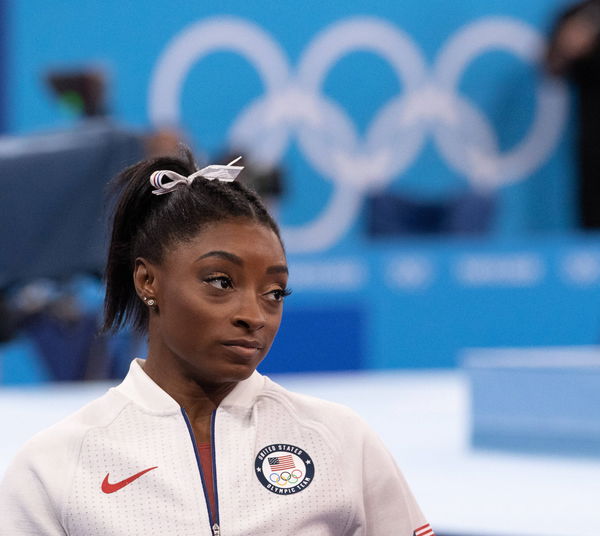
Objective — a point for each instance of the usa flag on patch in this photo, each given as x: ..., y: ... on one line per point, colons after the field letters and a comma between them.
x: 281, y: 463
x: 425, y: 530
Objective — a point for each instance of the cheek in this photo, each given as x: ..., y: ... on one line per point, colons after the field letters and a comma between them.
x: 273, y: 324
x: 184, y: 318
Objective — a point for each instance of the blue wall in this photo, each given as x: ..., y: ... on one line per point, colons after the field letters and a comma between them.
x: 422, y: 303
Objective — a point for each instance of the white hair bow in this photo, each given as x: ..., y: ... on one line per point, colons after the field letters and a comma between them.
x: 221, y: 173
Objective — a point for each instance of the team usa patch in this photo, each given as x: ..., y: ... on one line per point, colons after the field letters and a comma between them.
x: 284, y: 469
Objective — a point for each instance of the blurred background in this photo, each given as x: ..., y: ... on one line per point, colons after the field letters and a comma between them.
x: 433, y: 167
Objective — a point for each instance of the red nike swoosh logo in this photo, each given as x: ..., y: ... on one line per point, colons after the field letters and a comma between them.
x: 107, y: 487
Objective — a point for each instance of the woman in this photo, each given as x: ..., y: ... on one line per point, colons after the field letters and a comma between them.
x: 195, y: 440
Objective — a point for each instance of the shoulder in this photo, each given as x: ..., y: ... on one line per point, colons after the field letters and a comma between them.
x: 40, y: 475
x: 58, y: 446
x: 334, y: 416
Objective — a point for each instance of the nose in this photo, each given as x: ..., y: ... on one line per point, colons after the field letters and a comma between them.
x: 249, y: 314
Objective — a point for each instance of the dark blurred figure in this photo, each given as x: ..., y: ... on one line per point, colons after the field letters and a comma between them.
x: 574, y: 52
x: 60, y: 326
x: 84, y: 91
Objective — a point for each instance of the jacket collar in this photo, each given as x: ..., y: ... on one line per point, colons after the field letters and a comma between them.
x: 141, y: 389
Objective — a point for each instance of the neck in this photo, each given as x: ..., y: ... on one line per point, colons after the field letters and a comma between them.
x: 198, y: 398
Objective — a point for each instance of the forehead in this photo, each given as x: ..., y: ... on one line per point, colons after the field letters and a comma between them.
x: 244, y: 238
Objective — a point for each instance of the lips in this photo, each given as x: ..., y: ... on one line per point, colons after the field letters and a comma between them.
x: 246, y: 348
x: 245, y: 343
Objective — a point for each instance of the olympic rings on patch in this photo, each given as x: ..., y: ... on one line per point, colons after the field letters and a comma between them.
x: 430, y: 105
x: 284, y: 478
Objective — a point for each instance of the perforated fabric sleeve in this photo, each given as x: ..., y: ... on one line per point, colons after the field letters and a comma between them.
x: 26, y: 509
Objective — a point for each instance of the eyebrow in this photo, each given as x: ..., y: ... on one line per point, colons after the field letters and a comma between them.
x: 278, y: 269
x: 224, y: 255
x: 275, y: 269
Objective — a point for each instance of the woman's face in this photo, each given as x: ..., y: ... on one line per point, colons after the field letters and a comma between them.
x: 220, y: 299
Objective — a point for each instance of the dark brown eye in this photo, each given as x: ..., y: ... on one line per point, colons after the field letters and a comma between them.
x: 221, y: 282
x: 279, y: 294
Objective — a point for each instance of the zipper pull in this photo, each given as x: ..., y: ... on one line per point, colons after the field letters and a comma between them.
x: 216, y: 530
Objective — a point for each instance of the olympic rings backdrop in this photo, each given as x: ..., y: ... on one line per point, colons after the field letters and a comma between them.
x: 351, y: 98
x: 422, y: 99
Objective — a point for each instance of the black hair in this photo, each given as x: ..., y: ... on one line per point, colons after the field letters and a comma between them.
x: 144, y: 225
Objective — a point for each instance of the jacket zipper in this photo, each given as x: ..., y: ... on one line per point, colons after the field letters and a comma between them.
x: 214, y: 522
x: 215, y: 527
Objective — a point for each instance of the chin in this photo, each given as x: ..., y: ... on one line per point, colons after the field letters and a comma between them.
x: 241, y: 372
x: 229, y: 373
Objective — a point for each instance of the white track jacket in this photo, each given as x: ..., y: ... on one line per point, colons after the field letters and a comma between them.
x: 126, y: 465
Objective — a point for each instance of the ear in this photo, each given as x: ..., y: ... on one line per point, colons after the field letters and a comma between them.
x: 144, y: 278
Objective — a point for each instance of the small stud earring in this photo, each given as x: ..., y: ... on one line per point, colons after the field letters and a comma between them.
x: 150, y: 302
